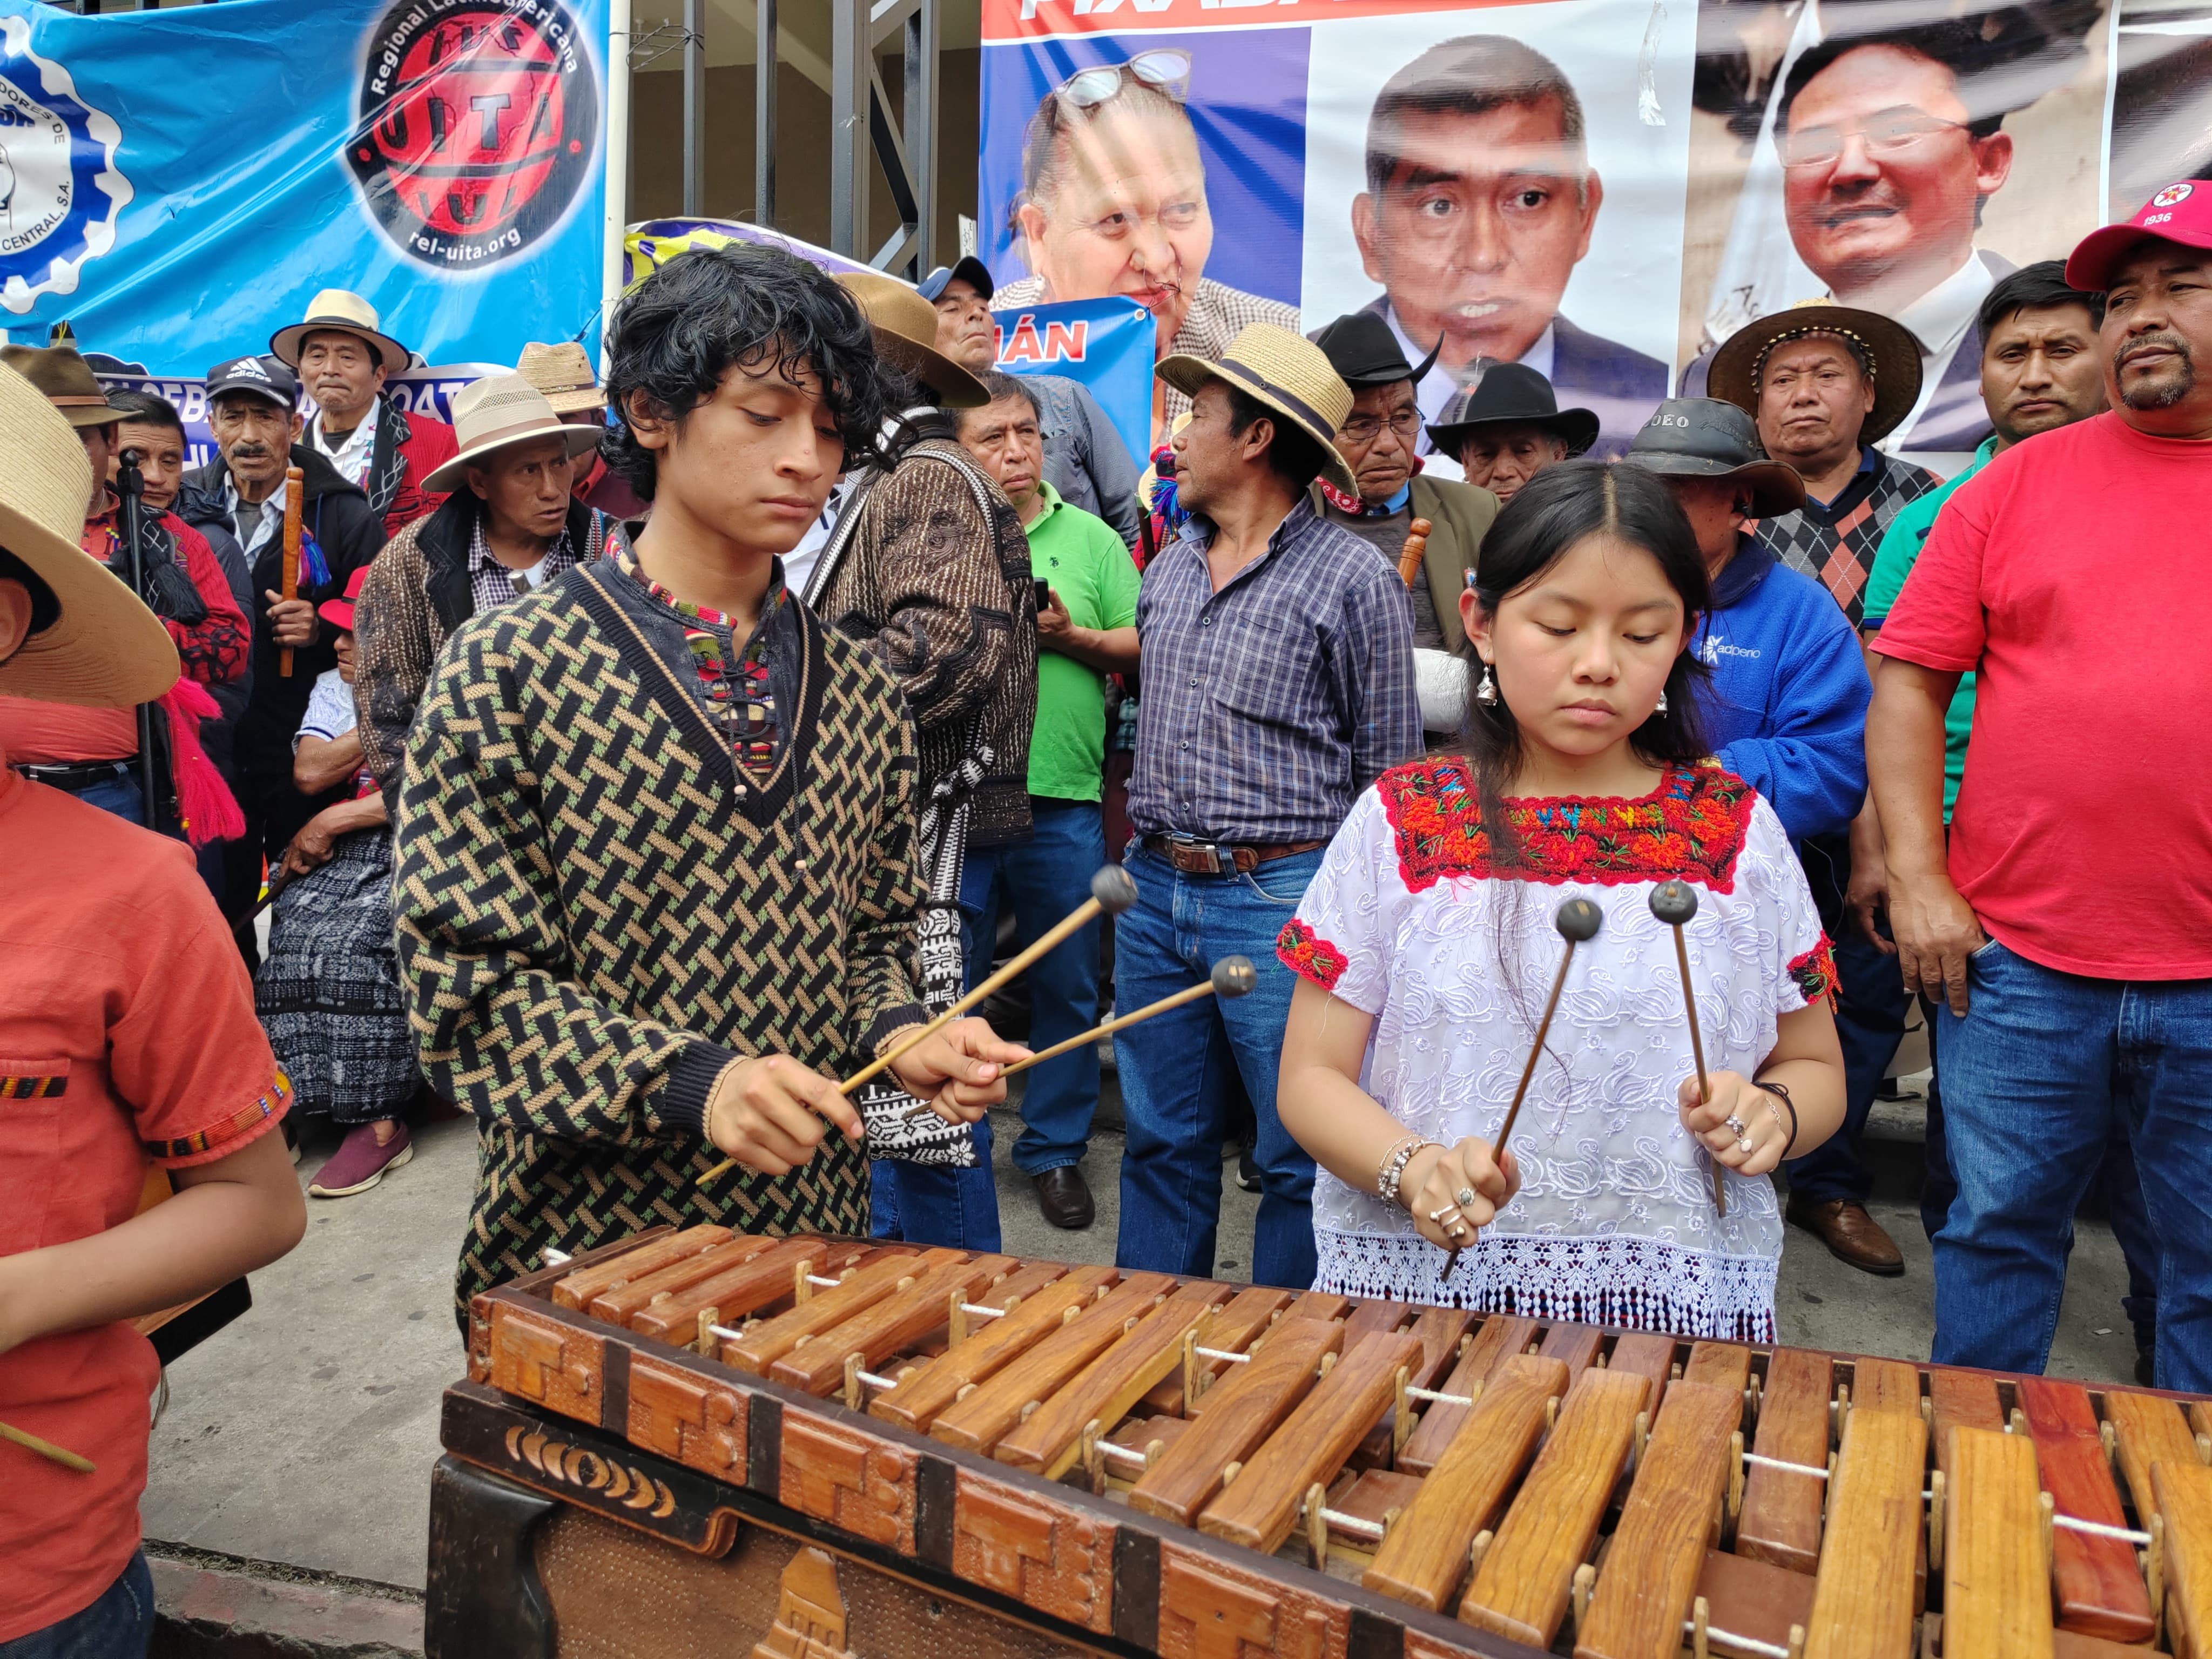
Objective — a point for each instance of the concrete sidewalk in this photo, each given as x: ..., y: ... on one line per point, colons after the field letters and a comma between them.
x: 304, y: 1434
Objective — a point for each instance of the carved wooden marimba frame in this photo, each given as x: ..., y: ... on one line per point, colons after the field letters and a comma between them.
x: 693, y: 1441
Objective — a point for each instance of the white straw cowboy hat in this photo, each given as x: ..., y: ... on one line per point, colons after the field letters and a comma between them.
x: 905, y: 327
x: 1289, y: 373
x: 563, y: 374
x: 497, y: 413
x: 105, y: 650
x: 337, y: 312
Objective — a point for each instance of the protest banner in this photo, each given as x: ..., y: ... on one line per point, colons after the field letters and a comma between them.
x: 1602, y: 189
x: 179, y: 184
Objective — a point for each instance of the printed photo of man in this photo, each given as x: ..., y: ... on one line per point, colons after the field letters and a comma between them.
x: 1481, y: 200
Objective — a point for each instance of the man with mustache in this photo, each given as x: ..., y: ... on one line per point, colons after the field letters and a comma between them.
x: 253, y: 411
x: 2066, y: 931
x: 1480, y: 204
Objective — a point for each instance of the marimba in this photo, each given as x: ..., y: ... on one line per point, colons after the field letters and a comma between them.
x: 694, y: 1441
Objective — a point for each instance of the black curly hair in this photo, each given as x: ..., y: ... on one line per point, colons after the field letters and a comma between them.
x: 678, y: 332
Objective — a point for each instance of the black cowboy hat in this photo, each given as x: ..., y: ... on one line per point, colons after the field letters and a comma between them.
x: 1511, y: 394
x: 1364, y: 352
x: 1886, y: 348
x: 1706, y: 438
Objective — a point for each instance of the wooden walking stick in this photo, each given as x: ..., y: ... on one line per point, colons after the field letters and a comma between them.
x: 1417, y: 545
x: 293, y: 489
x: 1674, y: 902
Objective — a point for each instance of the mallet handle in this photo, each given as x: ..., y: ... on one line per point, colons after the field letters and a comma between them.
x: 1417, y: 545
x: 1188, y: 994
x: 1698, y: 1053
x: 67, y: 1460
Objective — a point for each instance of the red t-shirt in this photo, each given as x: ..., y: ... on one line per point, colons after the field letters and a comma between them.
x: 126, y: 1031
x: 2074, y: 575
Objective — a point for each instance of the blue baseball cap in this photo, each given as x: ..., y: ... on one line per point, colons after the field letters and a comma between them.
x: 971, y: 270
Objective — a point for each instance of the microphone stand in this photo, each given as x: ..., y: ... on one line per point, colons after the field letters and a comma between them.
x: 129, y: 487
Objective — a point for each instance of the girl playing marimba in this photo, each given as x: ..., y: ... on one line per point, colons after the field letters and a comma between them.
x: 1427, y: 949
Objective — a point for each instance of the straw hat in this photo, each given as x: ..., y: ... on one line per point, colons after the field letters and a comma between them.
x: 1895, y: 355
x: 105, y: 650
x: 563, y: 374
x: 67, y: 381
x: 497, y: 413
x: 905, y: 327
x: 1289, y: 373
x: 340, y: 313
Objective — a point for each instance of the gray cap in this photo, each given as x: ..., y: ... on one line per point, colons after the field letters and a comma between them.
x: 1706, y: 438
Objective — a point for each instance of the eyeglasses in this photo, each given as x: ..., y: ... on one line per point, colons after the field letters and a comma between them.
x: 1889, y: 132
x: 1164, y: 69
x: 1366, y: 428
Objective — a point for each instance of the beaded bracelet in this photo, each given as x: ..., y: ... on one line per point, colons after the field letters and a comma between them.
x: 1781, y: 1092
x: 1393, y: 1167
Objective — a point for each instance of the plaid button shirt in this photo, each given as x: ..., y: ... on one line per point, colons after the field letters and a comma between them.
x: 491, y: 584
x: 1269, y: 706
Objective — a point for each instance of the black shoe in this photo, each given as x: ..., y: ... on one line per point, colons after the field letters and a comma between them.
x: 2146, y: 1367
x: 1247, y: 1171
x: 1064, y: 1197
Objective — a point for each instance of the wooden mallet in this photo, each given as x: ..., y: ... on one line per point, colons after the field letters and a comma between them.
x: 295, y: 487
x: 1577, y: 921
x: 1674, y: 902
x: 1232, y: 977
x: 1112, y: 891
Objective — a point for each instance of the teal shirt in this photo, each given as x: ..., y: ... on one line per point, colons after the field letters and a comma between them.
x: 1088, y: 567
x: 1893, y: 562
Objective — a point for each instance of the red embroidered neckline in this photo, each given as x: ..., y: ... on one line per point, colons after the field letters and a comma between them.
x: 1690, y: 828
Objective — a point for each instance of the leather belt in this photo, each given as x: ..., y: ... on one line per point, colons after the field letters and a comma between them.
x: 1192, y: 857
x: 77, y: 774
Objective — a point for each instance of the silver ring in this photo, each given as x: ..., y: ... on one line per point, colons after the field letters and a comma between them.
x: 1734, y: 1126
x: 1457, y: 1231
x: 1438, y: 1215
x: 1464, y: 1197
x: 1743, y: 1143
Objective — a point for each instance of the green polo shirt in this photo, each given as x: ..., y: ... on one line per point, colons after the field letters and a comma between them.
x: 1090, y: 568
x: 1893, y: 562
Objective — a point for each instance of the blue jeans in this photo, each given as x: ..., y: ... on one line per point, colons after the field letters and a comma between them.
x: 1175, y: 1069
x: 2032, y: 1078
x: 1870, y: 1010
x: 119, y: 1626
x: 120, y: 795
x: 1044, y: 878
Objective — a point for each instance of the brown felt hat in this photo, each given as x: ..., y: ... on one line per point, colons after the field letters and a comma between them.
x: 66, y: 379
x: 1289, y: 373
x: 905, y: 327
x: 1888, y: 345
x: 105, y: 650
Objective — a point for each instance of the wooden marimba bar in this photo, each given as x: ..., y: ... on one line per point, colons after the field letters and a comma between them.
x: 1557, y: 1486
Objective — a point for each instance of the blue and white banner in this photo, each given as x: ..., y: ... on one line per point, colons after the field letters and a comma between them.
x: 1107, y: 344
x: 179, y: 184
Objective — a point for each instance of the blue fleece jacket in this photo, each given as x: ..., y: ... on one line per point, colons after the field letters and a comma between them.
x: 1786, y: 706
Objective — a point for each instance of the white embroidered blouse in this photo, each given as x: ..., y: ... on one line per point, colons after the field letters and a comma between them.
x: 1615, y: 1223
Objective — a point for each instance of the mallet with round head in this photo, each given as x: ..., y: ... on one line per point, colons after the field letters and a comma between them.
x: 1112, y: 891
x: 1232, y: 977
x: 1675, y: 903
x: 1577, y: 921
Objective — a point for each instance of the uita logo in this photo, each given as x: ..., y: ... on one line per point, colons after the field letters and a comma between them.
x: 477, y: 129
x: 59, y: 189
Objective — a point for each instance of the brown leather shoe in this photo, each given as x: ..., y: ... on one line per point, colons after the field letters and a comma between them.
x: 1851, y: 1235
x: 1064, y: 1197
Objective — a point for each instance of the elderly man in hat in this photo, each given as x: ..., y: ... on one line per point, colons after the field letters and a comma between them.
x: 1824, y: 383
x: 563, y: 373
x: 130, y: 1027
x: 509, y: 522
x: 1508, y: 426
x: 342, y: 357
x: 92, y: 753
x: 2064, y: 926
x: 251, y: 411
x: 929, y: 567
x: 1377, y: 441
x: 1278, y: 683
x: 1085, y: 461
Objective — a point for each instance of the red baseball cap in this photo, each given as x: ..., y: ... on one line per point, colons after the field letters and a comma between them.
x: 339, y: 612
x: 2180, y: 213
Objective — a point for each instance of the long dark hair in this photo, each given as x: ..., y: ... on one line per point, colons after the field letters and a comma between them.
x: 1553, y: 511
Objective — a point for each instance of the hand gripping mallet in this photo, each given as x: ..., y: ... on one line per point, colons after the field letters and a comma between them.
x: 1674, y: 902
x: 1577, y: 921
x: 1232, y: 977
x: 1112, y: 891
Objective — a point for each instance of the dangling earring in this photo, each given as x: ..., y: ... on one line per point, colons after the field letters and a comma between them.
x: 1662, y: 708
x: 1486, y: 693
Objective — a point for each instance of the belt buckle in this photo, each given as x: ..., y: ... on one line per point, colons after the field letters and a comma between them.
x: 1193, y: 857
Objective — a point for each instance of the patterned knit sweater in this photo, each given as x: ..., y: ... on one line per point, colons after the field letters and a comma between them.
x: 594, y: 916
x: 934, y: 576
